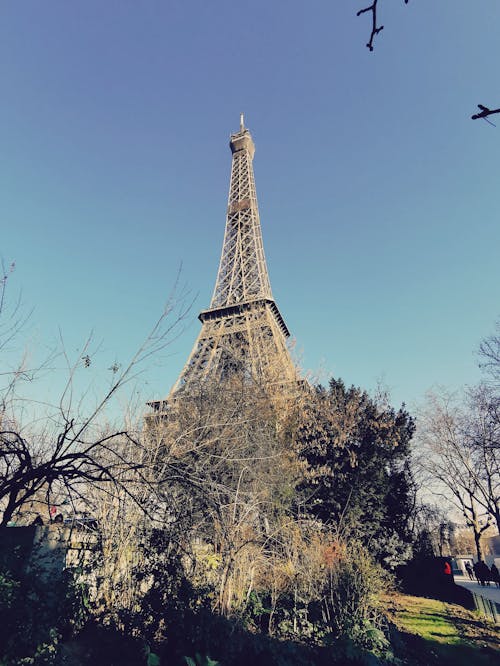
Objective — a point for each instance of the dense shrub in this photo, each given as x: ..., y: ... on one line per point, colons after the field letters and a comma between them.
x: 351, y: 596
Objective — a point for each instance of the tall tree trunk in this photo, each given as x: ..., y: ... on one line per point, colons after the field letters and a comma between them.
x: 477, y: 540
x: 476, y: 528
x: 496, y: 516
x: 9, y: 509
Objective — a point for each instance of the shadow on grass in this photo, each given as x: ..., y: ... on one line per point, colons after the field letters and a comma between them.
x: 426, y: 652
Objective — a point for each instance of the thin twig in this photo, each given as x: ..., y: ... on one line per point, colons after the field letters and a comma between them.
x: 375, y: 28
x: 485, y: 112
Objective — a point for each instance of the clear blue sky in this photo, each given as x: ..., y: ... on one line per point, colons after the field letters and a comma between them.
x: 379, y: 197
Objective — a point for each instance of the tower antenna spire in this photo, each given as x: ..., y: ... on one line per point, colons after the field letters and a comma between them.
x: 242, y: 122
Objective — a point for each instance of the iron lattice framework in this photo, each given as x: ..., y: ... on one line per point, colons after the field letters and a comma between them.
x: 243, y: 330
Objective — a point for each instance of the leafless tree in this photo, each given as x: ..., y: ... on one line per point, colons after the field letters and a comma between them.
x: 65, y: 448
x: 481, y: 432
x: 457, y: 456
x: 489, y: 354
x: 221, y: 457
x: 430, y: 521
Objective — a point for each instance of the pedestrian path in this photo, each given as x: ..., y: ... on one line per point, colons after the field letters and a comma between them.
x: 486, y: 599
x: 491, y: 592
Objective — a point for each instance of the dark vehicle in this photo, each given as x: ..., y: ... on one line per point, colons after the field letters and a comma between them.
x: 427, y: 576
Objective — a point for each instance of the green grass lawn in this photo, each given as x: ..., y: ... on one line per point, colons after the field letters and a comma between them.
x: 435, y: 632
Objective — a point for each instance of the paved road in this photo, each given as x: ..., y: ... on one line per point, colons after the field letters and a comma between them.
x: 491, y: 592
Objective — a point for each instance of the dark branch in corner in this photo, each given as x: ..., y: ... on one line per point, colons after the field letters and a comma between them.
x: 485, y: 112
x: 375, y: 28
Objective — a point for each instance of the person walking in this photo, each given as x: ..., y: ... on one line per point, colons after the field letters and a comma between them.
x: 494, y: 575
x: 469, y: 570
x: 478, y: 570
x: 485, y: 573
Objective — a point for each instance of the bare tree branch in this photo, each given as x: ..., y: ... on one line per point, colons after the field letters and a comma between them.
x: 67, y: 447
x: 489, y: 353
x: 375, y: 28
x: 460, y: 452
x: 485, y: 112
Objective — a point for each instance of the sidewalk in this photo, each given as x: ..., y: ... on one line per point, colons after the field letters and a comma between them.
x: 491, y: 592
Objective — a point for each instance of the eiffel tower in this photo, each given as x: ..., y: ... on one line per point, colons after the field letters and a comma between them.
x: 242, y: 330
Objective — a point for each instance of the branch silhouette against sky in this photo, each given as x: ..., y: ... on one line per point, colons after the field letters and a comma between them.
x: 485, y: 111
x: 375, y: 28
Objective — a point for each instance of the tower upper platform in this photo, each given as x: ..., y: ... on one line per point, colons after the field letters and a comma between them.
x: 242, y: 140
